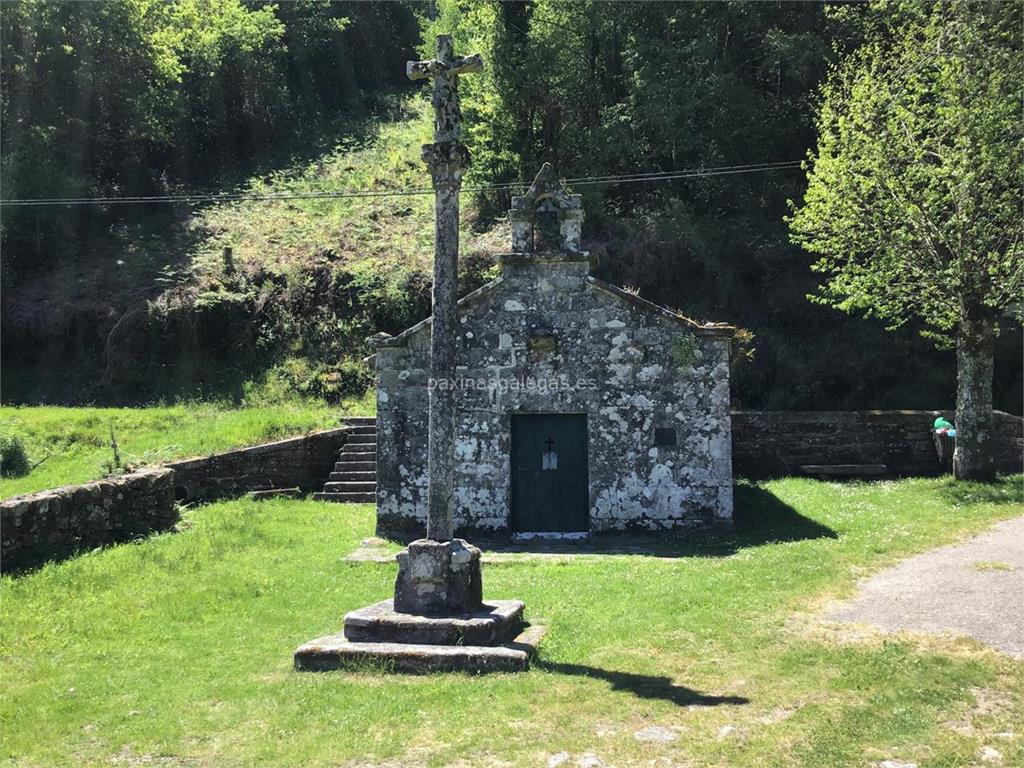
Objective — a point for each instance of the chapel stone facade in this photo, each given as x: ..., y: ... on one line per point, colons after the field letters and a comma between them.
x: 582, y: 408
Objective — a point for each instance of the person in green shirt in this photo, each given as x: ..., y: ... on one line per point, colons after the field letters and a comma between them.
x: 945, y: 436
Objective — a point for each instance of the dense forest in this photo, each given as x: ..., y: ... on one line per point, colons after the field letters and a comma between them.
x: 131, y: 303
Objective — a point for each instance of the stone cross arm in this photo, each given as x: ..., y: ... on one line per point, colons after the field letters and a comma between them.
x: 458, y: 65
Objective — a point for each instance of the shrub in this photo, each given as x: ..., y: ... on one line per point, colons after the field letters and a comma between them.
x: 13, y: 457
x: 332, y: 383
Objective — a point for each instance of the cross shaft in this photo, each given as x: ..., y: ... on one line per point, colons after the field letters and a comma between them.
x: 447, y: 158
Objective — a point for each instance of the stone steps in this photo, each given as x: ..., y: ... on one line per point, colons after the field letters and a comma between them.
x: 354, y: 479
x: 354, y: 476
x: 356, y: 465
x: 347, y: 486
x: 351, y: 448
x: 346, y: 498
x: 361, y: 421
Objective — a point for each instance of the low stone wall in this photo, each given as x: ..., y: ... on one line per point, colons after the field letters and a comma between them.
x: 775, y: 443
x: 298, y: 462
x: 59, y: 522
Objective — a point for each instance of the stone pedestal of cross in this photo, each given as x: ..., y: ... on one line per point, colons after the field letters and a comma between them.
x: 440, y: 573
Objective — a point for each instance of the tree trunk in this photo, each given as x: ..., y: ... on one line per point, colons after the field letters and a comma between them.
x: 972, y: 457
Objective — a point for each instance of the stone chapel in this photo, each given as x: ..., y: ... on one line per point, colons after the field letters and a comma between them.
x: 581, y: 407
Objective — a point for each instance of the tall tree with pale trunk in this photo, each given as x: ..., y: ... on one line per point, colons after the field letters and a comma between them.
x: 914, y: 199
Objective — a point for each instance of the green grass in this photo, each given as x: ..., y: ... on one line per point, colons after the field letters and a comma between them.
x: 73, y: 444
x: 177, y: 650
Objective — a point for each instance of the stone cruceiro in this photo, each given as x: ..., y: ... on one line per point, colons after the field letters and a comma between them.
x: 438, y: 621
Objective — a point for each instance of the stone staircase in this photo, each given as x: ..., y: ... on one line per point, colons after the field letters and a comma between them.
x: 354, y: 478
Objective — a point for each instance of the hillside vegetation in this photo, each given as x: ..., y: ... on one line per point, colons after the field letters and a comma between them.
x: 133, y: 304
x: 386, y: 233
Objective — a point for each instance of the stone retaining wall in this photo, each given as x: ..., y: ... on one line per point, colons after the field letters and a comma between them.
x: 56, y: 523
x: 774, y: 443
x: 298, y: 462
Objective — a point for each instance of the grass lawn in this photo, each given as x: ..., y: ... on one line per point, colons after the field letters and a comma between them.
x: 177, y: 650
x: 73, y: 444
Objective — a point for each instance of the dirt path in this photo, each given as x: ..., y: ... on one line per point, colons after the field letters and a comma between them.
x: 975, y: 588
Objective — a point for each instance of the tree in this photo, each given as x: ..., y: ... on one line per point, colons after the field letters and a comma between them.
x: 914, y: 198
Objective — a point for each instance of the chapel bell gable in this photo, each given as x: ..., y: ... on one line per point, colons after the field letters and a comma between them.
x: 547, y: 219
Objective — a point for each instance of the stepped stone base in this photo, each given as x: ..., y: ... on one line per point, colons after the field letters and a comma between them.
x: 437, y: 621
x: 497, y: 622
x: 337, y: 652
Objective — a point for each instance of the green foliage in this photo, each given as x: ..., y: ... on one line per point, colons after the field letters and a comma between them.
x: 312, y: 279
x: 914, y: 196
x: 330, y: 383
x: 684, y: 350
x: 13, y: 457
x: 179, y: 647
x: 140, y: 96
x: 574, y: 83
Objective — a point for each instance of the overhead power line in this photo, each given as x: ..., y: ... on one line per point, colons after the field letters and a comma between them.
x: 227, y: 197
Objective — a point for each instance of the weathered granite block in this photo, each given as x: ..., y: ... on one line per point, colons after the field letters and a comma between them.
x: 498, y: 621
x: 337, y: 652
x: 438, y: 577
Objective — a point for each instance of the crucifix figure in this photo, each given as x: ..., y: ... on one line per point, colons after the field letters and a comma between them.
x: 447, y: 158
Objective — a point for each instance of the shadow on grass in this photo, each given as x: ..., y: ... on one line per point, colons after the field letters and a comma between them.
x: 1004, y: 490
x: 643, y: 686
x: 760, y: 517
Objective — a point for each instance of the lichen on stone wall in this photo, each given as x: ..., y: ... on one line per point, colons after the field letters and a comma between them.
x: 618, y: 362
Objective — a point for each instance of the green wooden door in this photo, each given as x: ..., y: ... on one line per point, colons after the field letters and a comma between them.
x: 549, y: 472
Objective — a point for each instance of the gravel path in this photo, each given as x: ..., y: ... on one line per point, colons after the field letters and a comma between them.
x: 975, y: 588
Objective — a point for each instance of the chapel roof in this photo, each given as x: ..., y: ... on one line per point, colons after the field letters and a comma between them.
x: 547, y: 196
x: 699, y: 329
